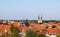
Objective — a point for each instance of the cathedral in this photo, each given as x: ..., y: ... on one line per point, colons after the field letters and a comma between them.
x: 40, y: 20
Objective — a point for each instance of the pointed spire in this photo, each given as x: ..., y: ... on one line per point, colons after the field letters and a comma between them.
x: 40, y: 18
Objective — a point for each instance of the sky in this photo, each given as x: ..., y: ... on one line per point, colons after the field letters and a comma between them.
x: 29, y: 9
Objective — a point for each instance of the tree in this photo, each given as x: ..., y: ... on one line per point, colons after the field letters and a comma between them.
x: 14, y: 29
x: 47, y: 26
x: 2, y: 35
x: 15, y: 32
x: 58, y: 35
x: 41, y: 35
x: 53, y: 26
x: 31, y: 33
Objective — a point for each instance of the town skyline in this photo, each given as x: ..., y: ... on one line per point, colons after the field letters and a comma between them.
x: 29, y: 9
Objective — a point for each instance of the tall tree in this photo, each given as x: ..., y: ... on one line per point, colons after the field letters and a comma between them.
x: 40, y: 35
x: 15, y: 32
x: 31, y: 33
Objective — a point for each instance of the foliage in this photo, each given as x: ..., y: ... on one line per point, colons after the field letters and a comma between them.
x: 40, y: 35
x: 53, y: 26
x: 47, y: 26
x: 14, y: 29
x: 58, y: 35
x: 4, y: 35
x: 15, y: 32
x: 31, y: 33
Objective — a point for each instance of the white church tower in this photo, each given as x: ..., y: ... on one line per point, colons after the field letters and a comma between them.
x: 39, y: 19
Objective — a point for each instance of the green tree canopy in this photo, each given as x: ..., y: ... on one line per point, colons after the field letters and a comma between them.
x: 31, y: 33
x: 40, y: 35
x: 53, y: 26
x: 15, y: 32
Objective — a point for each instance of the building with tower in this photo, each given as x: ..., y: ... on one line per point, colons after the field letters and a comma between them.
x: 40, y: 21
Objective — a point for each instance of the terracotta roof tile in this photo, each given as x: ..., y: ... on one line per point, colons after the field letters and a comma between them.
x: 53, y: 31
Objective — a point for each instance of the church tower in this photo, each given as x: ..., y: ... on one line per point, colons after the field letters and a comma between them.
x: 40, y: 19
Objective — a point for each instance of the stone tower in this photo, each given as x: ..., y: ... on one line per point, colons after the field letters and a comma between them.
x: 39, y: 19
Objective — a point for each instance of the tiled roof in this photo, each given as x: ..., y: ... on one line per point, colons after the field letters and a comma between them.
x: 53, y: 31
x: 58, y: 24
x: 33, y: 26
x: 7, y: 27
x: 3, y: 27
x: 40, y: 27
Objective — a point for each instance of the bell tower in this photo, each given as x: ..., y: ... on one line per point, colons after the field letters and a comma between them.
x: 40, y: 19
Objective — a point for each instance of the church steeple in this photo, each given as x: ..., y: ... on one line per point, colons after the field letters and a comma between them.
x: 40, y: 19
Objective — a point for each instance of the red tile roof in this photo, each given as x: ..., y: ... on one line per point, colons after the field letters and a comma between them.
x: 33, y: 26
x: 58, y: 24
x: 40, y: 27
x: 53, y: 31
x: 1, y: 29
x: 8, y: 29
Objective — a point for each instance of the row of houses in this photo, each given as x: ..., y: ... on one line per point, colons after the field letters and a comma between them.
x: 52, y: 31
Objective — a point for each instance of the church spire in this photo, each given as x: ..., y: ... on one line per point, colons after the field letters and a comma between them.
x: 40, y: 19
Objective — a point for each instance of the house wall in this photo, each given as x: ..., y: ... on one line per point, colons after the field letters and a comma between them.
x: 52, y: 36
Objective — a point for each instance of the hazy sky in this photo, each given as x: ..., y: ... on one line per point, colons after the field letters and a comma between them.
x: 30, y: 9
